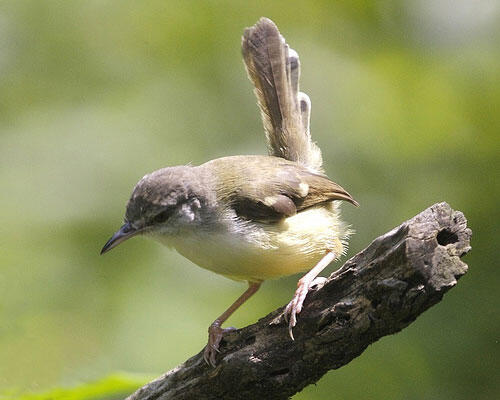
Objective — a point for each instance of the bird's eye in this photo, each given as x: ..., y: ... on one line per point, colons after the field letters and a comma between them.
x: 162, y: 216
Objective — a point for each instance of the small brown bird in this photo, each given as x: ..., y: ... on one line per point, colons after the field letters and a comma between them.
x: 251, y: 218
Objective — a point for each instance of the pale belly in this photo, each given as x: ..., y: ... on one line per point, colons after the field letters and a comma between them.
x: 294, y: 245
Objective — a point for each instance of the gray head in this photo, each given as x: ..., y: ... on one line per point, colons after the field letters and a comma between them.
x: 163, y: 202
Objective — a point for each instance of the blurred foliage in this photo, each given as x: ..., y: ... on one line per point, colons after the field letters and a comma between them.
x: 94, y: 94
x: 113, y: 387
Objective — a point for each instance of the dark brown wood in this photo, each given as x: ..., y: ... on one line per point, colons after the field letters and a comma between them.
x: 376, y: 293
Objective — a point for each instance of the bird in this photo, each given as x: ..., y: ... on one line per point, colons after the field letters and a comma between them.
x: 251, y: 218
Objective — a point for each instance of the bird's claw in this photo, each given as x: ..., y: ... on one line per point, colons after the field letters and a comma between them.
x: 295, y: 306
x: 215, y: 334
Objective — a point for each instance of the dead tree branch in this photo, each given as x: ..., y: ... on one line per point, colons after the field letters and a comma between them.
x: 376, y: 293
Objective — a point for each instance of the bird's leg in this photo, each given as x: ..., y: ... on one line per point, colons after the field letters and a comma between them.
x: 295, y: 306
x: 215, y: 332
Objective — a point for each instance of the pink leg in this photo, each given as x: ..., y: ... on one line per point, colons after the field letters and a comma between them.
x: 295, y: 306
x: 215, y: 332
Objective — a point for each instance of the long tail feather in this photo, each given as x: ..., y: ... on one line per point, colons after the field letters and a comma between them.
x: 274, y: 70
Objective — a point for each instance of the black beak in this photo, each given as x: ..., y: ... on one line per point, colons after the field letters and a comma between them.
x: 124, y: 233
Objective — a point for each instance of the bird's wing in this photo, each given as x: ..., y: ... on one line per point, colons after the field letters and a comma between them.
x: 267, y: 189
x: 274, y: 70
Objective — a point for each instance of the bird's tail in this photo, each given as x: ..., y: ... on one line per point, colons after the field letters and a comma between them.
x: 274, y: 70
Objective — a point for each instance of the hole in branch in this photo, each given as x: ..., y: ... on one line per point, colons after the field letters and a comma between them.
x: 445, y: 236
x: 250, y: 340
x: 279, y: 372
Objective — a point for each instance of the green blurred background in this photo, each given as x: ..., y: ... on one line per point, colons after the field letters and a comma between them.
x: 94, y: 94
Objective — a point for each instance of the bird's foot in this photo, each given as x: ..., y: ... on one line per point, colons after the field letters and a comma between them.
x: 295, y: 306
x: 215, y: 334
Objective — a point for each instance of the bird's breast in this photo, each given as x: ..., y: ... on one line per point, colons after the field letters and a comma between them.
x: 255, y: 251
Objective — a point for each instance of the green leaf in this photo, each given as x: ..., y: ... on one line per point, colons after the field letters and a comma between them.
x: 115, y: 386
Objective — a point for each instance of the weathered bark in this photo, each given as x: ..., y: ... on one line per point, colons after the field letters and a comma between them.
x: 378, y: 292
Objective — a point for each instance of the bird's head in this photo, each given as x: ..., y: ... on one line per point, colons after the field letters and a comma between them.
x: 162, y: 203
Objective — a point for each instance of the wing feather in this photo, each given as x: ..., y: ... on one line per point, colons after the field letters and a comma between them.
x: 267, y: 189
